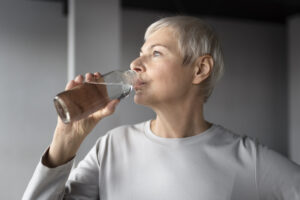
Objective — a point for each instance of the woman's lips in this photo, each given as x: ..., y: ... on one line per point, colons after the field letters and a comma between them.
x: 139, y: 84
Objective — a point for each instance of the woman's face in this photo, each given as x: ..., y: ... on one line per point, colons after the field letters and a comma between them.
x: 163, y: 78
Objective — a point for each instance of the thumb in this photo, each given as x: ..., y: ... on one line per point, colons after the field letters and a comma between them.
x: 111, y: 106
x: 107, y: 110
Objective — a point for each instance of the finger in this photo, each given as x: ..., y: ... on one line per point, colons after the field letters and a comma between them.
x: 89, y: 77
x: 79, y: 79
x: 70, y: 85
x: 107, y: 110
x: 97, y: 75
x: 111, y: 106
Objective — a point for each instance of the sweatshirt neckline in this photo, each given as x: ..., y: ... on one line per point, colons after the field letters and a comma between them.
x: 186, y: 140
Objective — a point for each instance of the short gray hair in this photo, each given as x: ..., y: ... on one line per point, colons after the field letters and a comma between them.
x: 195, y: 38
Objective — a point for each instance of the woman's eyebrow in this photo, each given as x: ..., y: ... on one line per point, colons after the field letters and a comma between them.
x: 154, y: 45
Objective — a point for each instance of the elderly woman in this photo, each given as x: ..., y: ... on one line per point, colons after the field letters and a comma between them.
x: 177, y: 155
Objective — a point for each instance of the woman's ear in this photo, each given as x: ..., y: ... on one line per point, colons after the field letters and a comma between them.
x: 203, y: 68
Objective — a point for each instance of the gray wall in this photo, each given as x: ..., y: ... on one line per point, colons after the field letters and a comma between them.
x: 251, y: 97
x: 294, y: 86
x: 32, y: 70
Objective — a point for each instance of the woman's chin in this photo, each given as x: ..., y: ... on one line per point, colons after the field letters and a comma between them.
x: 140, y: 99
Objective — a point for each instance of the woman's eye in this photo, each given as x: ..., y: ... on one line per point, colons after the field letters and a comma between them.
x: 156, y: 53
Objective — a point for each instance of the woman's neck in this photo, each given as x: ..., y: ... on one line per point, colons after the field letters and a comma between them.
x: 179, y: 121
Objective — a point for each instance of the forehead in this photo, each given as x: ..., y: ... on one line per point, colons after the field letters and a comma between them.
x: 164, y: 36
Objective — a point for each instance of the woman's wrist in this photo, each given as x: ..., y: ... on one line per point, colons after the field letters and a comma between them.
x: 63, y: 148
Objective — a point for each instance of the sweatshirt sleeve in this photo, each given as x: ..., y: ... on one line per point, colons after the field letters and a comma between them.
x: 83, y: 182
x: 48, y: 183
x: 277, y: 177
x: 63, y: 182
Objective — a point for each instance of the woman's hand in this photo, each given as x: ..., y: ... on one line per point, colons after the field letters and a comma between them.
x: 68, y: 137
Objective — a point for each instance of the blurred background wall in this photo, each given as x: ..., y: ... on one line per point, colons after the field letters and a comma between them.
x: 257, y: 96
x: 293, y: 97
x: 33, y: 69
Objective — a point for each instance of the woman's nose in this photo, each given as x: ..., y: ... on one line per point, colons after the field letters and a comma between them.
x: 137, y: 65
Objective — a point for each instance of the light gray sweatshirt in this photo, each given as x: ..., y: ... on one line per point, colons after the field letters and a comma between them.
x: 132, y: 163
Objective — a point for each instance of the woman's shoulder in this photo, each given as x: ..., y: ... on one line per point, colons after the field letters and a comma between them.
x: 124, y: 132
x: 243, y: 145
x: 248, y: 146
